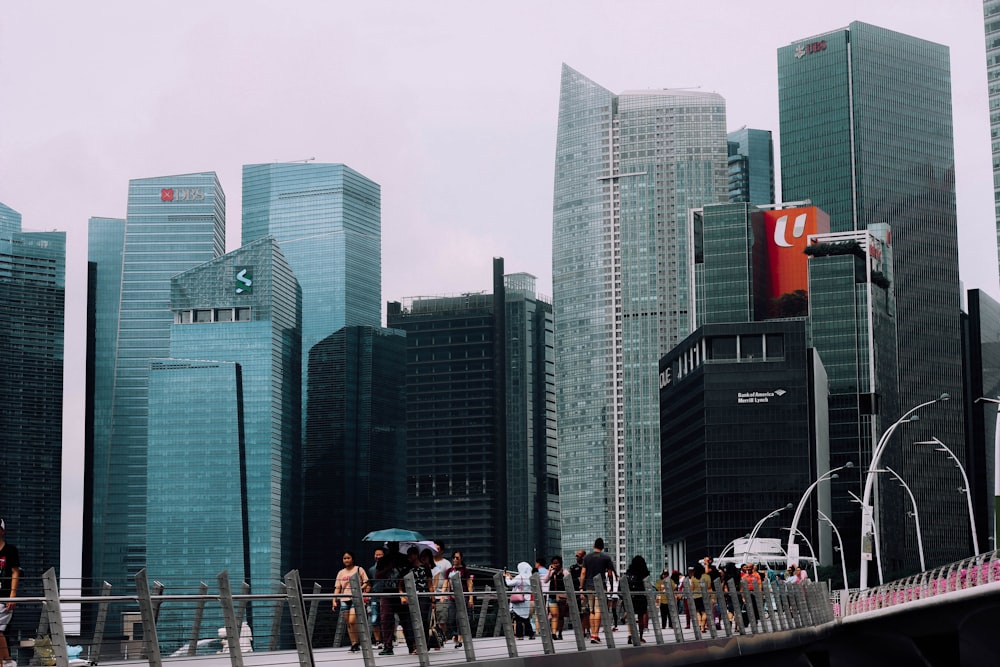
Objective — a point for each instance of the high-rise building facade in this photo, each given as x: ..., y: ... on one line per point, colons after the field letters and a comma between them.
x: 481, y: 459
x: 627, y: 169
x: 224, y: 424
x: 173, y: 223
x: 982, y: 358
x: 354, y: 456
x: 751, y: 166
x: 32, y: 322
x: 852, y: 325
x: 327, y: 219
x: 866, y: 134
x: 991, y: 15
x: 242, y: 308
x: 743, y: 424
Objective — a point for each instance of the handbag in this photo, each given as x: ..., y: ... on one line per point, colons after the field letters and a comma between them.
x: 517, y: 597
x: 433, y: 633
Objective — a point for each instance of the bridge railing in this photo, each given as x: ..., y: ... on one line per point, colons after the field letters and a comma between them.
x: 168, y: 626
x: 968, y: 573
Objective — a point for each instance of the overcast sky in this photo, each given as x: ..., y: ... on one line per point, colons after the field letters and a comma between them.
x: 449, y: 106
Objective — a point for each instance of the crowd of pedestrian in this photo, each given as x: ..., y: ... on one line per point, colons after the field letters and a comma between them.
x: 437, y: 602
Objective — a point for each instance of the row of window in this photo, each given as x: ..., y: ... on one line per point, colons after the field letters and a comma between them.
x: 206, y: 315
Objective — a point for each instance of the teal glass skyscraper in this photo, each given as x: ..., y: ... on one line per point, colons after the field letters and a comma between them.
x: 224, y: 424
x: 32, y: 323
x: 627, y: 169
x: 173, y: 223
x: 991, y: 15
x: 866, y: 135
x: 751, y: 166
x: 327, y: 219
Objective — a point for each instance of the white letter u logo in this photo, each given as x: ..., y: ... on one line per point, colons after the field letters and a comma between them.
x: 798, y: 229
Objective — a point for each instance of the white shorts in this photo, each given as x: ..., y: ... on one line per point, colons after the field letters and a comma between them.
x: 5, y: 615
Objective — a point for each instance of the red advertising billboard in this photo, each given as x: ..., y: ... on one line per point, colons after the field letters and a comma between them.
x: 781, y: 277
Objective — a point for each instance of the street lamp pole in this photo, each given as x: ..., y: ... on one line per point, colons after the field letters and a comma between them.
x: 916, y: 515
x: 812, y: 553
x: 756, y: 528
x: 996, y: 469
x: 941, y: 447
x: 843, y: 563
x: 867, y: 511
x: 793, y: 529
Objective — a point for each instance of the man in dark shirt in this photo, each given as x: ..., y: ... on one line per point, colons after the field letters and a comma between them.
x: 10, y: 573
x: 596, y: 566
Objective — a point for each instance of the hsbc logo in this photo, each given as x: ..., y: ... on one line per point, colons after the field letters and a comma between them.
x: 781, y: 230
x: 182, y: 194
x: 813, y: 47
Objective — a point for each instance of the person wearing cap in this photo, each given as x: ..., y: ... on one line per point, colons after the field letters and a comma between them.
x: 10, y: 572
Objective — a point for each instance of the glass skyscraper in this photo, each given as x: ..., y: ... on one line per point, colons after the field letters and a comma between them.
x: 866, y: 134
x: 224, y: 424
x: 327, y: 219
x: 354, y: 457
x: 173, y: 223
x: 991, y: 15
x: 751, y: 166
x: 852, y: 325
x: 32, y: 324
x: 627, y: 169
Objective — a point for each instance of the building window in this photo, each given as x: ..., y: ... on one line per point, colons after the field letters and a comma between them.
x: 722, y: 347
x: 201, y: 316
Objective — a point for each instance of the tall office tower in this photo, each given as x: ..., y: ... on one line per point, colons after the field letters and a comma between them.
x: 327, y: 219
x: 533, y: 473
x: 354, y: 457
x: 32, y: 324
x: 866, y: 134
x: 224, y: 427
x: 173, y: 223
x: 991, y: 14
x: 751, y: 166
x: 481, y: 464
x: 852, y: 326
x: 982, y: 358
x: 627, y: 169
x: 743, y: 423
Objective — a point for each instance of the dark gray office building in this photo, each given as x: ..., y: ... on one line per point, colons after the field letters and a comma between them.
x: 354, y: 458
x: 742, y: 431
x: 481, y: 442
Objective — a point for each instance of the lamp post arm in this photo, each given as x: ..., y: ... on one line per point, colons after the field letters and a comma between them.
x: 840, y: 542
x: 793, y: 529
x: 968, y: 494
x: 916, y: 517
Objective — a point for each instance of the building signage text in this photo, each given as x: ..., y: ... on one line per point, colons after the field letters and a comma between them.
x: 182, y: 194
x: 812, y: 47
x: 758, y: 396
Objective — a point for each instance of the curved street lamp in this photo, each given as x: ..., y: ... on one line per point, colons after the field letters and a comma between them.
x: 867, y: 512
x: 793, y: 529
x: 753, y: 533
x: 812, y: 554
x: 941, y: 447
x: 916, y: 515
x: 731, y: 545
x: 843, y: 562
